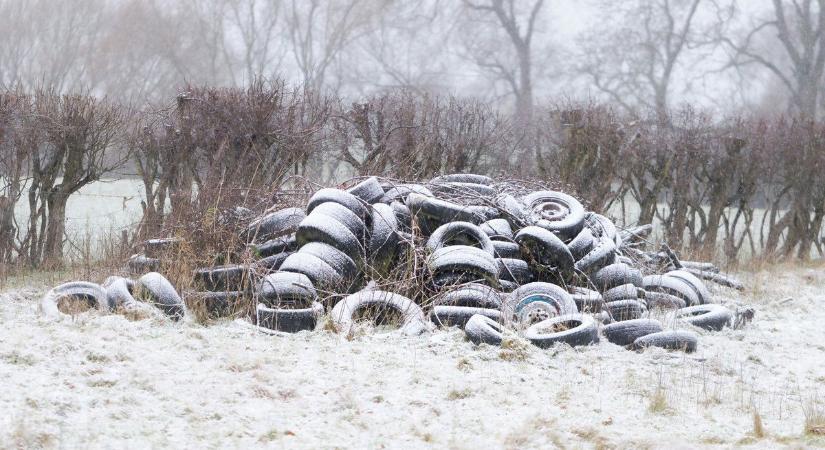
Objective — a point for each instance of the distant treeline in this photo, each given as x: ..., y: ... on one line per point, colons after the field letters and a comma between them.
x: 721, y: 186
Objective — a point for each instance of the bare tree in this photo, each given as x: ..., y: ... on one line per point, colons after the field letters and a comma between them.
x: 514, y: 66
x: 634, y: 51
x: 797, y: 28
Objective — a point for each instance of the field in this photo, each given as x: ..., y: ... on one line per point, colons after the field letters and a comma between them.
x: 102, y: 381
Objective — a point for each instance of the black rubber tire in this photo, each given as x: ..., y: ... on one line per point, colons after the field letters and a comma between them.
x: 483, y: 330
x: 337, y: 259
x: 673, y: 286
x: 452, y: 316
x: 286, y: 288
x: 504, y: 249
x: 615, y: 275
x: 556, y: 212
x: 344, y: 216
x: 326, y: 229
x: 430, y: 213
x: 507, y: 286
x: 670, y: 340
x: 515, y: 270
x: 412, y: 317
x: 323, y: 275
x: 700, y: 266
x: 545, y: 248
x: 402, y: 216
x: 401, y: 191
x: 119, y: 291
x: 718, y: 278
x: 233, y: 277
x: 661, y: 300
x: 626, y: 332
x: 625, y: 310
x: 601, y: 226
x: 274, y: 224
x: 459, y: 233
x: 603, y: 254
x: 270, y: 264
x: 92, y: 293
x: 368, y: 190
x: 587, y: 300
x: 582, y: 329
x: 582, y: 244
x: 158, y: 291
x: 288, y: 320
x: 271, y: 247
x: 140, y: 264
x: 382, y: 247
x: 157, y: 248
x: 463, y: 178
x: 513, y: 211
x: 349, y: 201
x: 623, y: 292
x: 698, y: 285
x: 217, y: 304
x: 497, y: 229
x: 464, y: 259
x: 462, y: 190
x: 710, y: 316
x: 472, y: 295
x: 560, y: 300
x: 449, y: 280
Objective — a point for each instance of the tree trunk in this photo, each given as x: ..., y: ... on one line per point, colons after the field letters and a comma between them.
x: 56, y: 228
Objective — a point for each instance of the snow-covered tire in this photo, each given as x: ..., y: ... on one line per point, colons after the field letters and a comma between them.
x: 343, y: 198
x: 661, y: 300
x: 587, y: 300
x: 515, y: 270
x: 413, y: 321
x: 430, y: 213
x: 450, y: 316
x: 402, y: 216
x: 344, y: 216
x: 288, y: 320
x: 470, y: 295
x: 545, y: 248
x: 579, y: 329
x: 323, y: 275
x: 382, y: 247
x: 462, y: 189
x: 286, y: 288
x: 270, y: 264
x: 670, y: 340
x: 368, y: 190
x: 157, y: 248
x: 698, y: 285
x: 337, y: 259
x: 556, y: 212
x: 518, y: 305
x: 673, y: 286
x: 483, y: 330
x: 459, y: 233
x: 710, y: 316
x: 140, y: 264
x: 623, y: 292
x: 615, y: 275
x: 323, y: 228
x: 626, y: 332
x: 497, y: 229
x: 275, y: 224
x: 232, y: 277
x: 463, y: 178
x: 119, y: 291
x: 92, y: 293
x: 601, y: 226
x: 601, y: 255
x: 625, y: 310
x: 505, y: 249
x: 513, y: 210
x: 401, y: 191
x: 508, y: 286
x: 158, y: 291
x: 582, y: 244
x: 464, y: 259
x: 277, y: 245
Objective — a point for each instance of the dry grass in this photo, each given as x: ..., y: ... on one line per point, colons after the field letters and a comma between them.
x: 814, y: 418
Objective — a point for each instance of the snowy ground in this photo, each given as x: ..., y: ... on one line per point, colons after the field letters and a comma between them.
x: 102, y: 381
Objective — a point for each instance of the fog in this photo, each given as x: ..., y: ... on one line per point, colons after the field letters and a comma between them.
x: 746, y: 56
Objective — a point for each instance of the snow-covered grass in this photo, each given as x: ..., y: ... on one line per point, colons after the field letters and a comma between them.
x: 102, y: 381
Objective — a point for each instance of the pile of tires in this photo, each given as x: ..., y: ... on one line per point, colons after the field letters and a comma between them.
x: 461, y: 250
